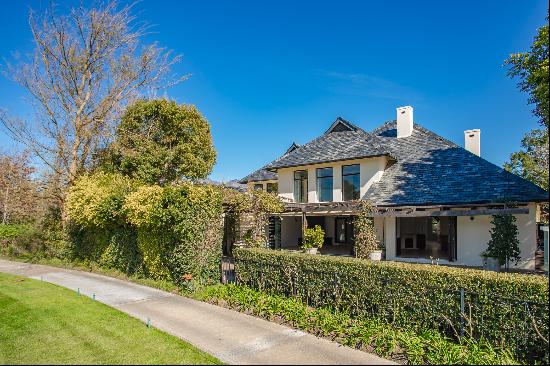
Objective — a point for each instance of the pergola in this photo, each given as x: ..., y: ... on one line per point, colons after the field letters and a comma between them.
x: 350, y: 208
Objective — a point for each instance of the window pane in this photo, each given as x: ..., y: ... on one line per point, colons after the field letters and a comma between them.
x: 324, y: 189
x: 324, y: 172
x: 272, y: 187
x: 351, y: 187
x: 350, y: 169
x: 300, y: 186
x: 258, y: 186
x: 300, y: 174
x: 340, y: 230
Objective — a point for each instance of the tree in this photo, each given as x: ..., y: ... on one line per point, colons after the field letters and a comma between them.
x: 18, y: 191
x: 84, y: 69
x: 159, y: 141
x: 504, y: 243
x: 532, y: 70
x: 532, y: 162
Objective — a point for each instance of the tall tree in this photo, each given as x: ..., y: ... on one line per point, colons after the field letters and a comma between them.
x: 86, y: 66
x: 531, y: 68
x: 159, y: 141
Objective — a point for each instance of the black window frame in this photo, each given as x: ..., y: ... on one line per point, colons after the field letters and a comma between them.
x: 271, y: 184
x: 323, y: 178
x: 301, y: 179
x: 358, y: 174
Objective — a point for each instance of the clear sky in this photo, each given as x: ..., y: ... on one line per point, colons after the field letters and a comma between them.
x: 266, y: 74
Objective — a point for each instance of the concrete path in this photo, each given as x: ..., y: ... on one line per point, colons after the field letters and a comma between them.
x: 230, y: 336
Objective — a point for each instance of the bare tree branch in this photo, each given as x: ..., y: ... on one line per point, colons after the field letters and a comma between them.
x: 85, y: 68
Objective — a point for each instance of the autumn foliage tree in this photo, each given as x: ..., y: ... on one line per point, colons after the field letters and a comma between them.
x: 19, y: 194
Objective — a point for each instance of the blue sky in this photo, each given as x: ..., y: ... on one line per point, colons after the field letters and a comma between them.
x: 266, y: 74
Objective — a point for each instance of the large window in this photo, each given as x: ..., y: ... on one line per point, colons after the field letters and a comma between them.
x: 258, y: 187
x: 350, y: 182
x: 300, y: 186
x: 271, y: 187
x: 324, y: 184
x: 426, y: 237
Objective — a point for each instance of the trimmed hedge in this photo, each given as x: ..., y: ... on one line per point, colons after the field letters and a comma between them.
x: 509, y: 310
x: 370, y: 335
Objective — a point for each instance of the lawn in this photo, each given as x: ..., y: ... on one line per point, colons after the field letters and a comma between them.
x: 44, y: 323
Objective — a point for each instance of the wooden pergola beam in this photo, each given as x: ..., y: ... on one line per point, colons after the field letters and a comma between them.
x: 350, y: 208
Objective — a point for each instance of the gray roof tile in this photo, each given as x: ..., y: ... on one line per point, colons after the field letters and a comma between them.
x: 424, y: 168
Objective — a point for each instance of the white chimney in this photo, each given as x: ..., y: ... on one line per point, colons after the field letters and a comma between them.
x: 472, y: 141
x: 404, y: 121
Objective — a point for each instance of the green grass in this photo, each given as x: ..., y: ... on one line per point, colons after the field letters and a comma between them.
x: 43, y: 323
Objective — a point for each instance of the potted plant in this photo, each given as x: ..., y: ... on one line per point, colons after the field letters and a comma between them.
x: 490, y: 263
x: 376, y: 254
x: 313, y: 239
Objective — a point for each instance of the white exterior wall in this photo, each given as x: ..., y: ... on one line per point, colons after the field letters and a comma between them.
x: 390, y: 236
x: 371, y: 171
x: 473, y: 236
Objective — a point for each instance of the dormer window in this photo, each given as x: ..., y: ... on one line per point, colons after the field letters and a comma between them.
x: 324, y: 184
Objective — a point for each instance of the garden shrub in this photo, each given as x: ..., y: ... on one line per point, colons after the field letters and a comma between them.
x: 504, y: 308
x: 19, y: 239
x: 97, y: 200
x: 164, y: 233
x: 368, y: 334
x: 313, y: 237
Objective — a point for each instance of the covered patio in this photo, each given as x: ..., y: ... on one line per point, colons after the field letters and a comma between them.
x: 421, y: 234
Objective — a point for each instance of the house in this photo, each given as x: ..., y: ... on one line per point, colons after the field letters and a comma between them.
x: 433, y: 198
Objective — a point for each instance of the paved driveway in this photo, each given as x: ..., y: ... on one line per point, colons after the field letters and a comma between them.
x: 232, y: 337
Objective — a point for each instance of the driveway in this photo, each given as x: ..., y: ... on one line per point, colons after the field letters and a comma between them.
x: 230, y: 336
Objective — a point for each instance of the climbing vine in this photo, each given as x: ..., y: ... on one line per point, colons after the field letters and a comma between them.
x: 365, y: 235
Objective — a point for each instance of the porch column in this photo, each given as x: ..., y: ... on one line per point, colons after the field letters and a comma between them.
x: 304, y: 225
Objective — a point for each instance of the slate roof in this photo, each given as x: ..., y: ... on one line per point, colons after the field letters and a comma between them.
x: 432, y: 170
x: 342, y: 141
x: 258, y: 176
x: 424, y: 169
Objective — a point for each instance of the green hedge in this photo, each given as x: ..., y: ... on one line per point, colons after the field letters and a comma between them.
x: 370, y: 335
x: 509, y: 310
x: 163, y: 233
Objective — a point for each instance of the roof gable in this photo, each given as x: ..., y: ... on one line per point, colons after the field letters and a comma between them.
x: 341, y: 125
x: 292, y: 147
